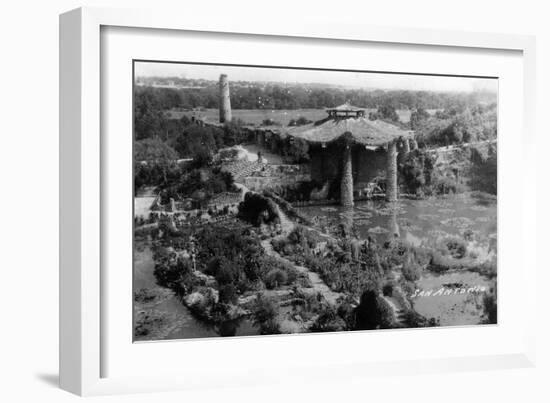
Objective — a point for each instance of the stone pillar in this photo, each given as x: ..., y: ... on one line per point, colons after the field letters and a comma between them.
x: 391, y: 173
x: 393, y: 227
x: 406, y: 147
x: 346, y: 185
x: 225, y: 102
x: 413, y: 144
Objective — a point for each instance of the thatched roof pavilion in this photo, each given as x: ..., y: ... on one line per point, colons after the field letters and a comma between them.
x: 362, y: 131
x: 351, y: 121
x: 348, y: 124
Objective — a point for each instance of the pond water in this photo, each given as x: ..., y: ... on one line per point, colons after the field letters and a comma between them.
x: 180, y: 322
x: 426, y: 223
x: 420, y: 222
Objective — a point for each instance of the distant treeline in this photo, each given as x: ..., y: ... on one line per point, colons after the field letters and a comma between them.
x: 276, y: 96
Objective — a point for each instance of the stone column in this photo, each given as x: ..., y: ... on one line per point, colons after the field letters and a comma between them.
x: 406, y: 147
x: 391, y: 173
x: 346, y: 185
x: 413, y: 144
x: 225, y: 102
x: 393, y: 227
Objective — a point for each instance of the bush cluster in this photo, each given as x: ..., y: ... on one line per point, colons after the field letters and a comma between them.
x: 257, y: 209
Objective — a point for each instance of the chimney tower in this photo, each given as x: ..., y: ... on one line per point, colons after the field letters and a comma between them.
x: 225, y: 102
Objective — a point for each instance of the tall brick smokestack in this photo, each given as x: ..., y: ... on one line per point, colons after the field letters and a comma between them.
x: 225, y: 102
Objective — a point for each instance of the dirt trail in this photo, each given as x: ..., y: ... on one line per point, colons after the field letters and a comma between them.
x: 398, y: 313
x: 287, y: 225
x: 396, y: 306
x: 317, y: 283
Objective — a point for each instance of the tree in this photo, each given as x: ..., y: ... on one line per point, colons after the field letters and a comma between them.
x: 198, y: 140
x: 154, y: 161
x: 257, y: 209
x: 483, y: 172
x: 148, y: 115
x: 154, y: 150
x: 388, y: 112
x: 416, y: 169
x: 418, y: 116
x: 373, y: 312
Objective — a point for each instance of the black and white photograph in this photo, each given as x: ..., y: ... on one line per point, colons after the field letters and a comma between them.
x: 297, y: 201
x: 271, y: 200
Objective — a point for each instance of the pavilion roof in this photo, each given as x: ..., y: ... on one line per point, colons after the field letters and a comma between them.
x: 346, y: 107
x: 362, y: 130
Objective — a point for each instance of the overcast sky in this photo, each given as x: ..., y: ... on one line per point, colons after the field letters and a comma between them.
x: 349, y: 79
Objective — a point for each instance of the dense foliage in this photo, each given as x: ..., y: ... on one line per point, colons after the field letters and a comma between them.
x: 257, y: 209
x: 373, y: 312
x: 199, y: 183
x: 338, y: 268
x: 483, y: 172
x: 453, y: 126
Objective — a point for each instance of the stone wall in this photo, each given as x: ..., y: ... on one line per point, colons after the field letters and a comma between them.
x: 259, y: 183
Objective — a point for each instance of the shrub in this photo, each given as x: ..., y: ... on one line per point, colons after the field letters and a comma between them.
x: 456, y: 247
x: 386, y: 315
x: 414, y: 319
x: 299, y: 122
x: 387, y: 290
x: 226, y: 273
x: 265, y: 315
x: 373, y: 312
x: 328, y: 321
x: 203, y: 301
x: 301, y: 236
x: 441, y: 263
x: 228, y: 294
x: 411, y: 271
x: 292, y: 275
x: 174, y: 275
x: 257, y: 209
x: 270, y: 122
x: 490, y: 306
x: 444, y: 185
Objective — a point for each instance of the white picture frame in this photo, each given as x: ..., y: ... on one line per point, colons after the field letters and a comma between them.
x: 83, y: 308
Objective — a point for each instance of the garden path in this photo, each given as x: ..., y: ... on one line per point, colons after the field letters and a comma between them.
x: 317, y: 283
x: 398, y: 313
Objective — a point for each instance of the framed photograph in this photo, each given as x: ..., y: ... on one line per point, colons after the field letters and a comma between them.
x: 250, y: 203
